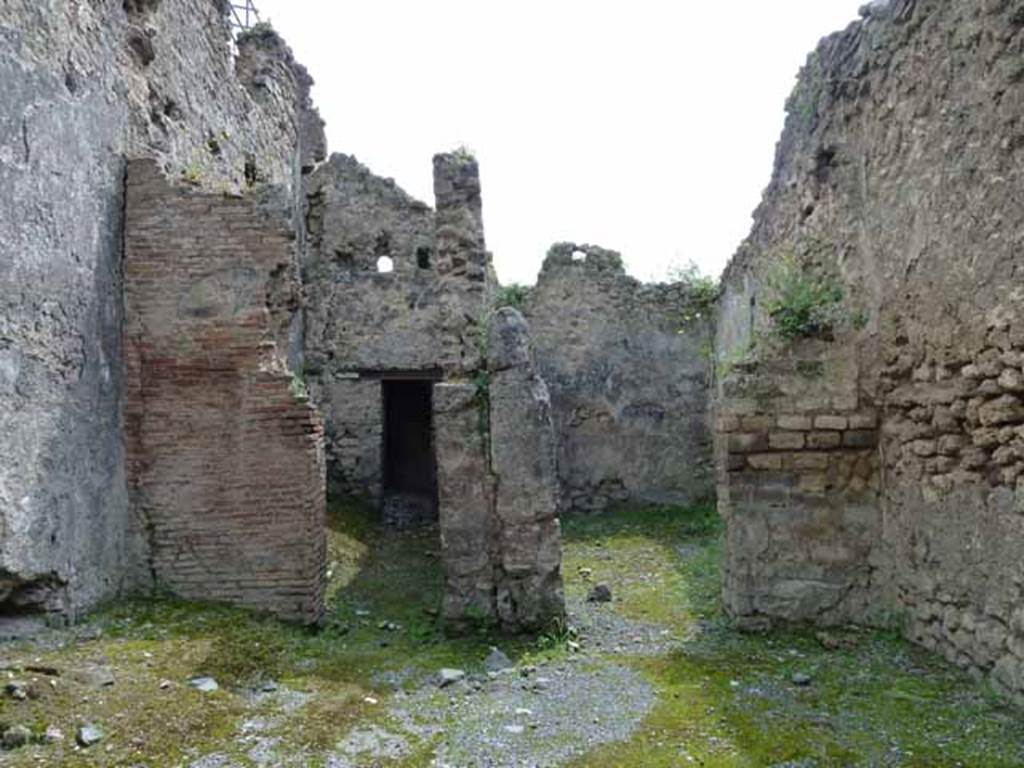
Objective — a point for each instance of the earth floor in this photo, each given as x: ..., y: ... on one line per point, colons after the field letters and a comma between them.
x: 656, y: 677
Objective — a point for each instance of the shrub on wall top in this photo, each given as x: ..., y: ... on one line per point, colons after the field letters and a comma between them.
x: 802, y: 304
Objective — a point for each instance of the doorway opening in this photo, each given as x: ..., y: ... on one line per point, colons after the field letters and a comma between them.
x: 410, y: 470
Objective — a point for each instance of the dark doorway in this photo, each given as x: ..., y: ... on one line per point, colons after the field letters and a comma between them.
x: 410, y: 473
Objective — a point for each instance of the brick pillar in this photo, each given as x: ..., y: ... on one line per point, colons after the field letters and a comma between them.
x: 226, y: 462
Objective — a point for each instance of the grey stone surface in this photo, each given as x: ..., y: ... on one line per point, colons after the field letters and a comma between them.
x: 516, y: 722
x: 896, y: 177
x: 358, y: 318
x: 420, y: 318
x: 466, y: 498
x: 448, y: 677
x: 628, y: 380
x: 85, y: 85
x: 204, y: 684
x: 497, y: 661
x: 88, y: 736
x: 522, y: 446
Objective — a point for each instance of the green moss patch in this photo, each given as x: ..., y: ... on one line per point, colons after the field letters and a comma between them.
x: 723, y: 698
x: 729, y: 699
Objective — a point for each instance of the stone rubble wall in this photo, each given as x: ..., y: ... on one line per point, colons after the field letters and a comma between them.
x: 470, y: 544
x: 493, y: 437
x: 358, y: 319
x: 465, y: 490
x: 86, y: 84
x: 629, y: 381
x: 798, y: 491
x: 463, y: 263
x: 225, y: 456
x: 522, y: 459
x: 899, y: 173
x: 353, y: 412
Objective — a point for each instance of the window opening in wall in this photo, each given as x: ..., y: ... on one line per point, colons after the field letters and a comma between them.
x: 385, y: 264
x: 410, y: 470
x: 423, y: 257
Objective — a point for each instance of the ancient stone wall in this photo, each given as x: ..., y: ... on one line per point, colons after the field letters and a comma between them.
x: 522, y: 460
x: 465, y: 488
x: 629, y: 369
x: 497, y: 487
x: 225, y: 452
x: 360, y: 321
x: 897, y: 177
x: 798, y: 489
x: 84, y: 85
x: 421, y: 317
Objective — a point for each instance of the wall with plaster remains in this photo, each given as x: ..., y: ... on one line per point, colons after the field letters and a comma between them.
x: 359, y: 321
x: 628, y: 365
x: 225, y: 453
x: 84, y: 85
x: 899, y: 176
x: 427, y: 318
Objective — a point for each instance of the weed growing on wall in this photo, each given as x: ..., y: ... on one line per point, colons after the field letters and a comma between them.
x: 482, y: 382
x: 702, y: 292
x: 297, y: 386
x: 513, y: 296
x: 730, y: 360
x: 802, y: 304
x: 193, y: 173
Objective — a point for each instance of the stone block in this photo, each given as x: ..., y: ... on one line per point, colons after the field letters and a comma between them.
x: 1011, y: 380
x: 745, y: 442
x: 831, y: 422
x: 794, y: 422
x: 814, y: 483
x: 756, y: 423
x: 950, y: 445
x: 786, y: 441
x: 1006, y: 409
x: 727, y: 422
x: 922, y: 448
x: 803, y: 461
x: 863, y: 420
x: 765, y: 460
x: 860, y: 438
x: 821, y: 440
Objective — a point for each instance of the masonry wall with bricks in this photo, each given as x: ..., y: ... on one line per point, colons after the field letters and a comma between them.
x: 916, y: 228
x: 798, y: 489
x: 225, y: 453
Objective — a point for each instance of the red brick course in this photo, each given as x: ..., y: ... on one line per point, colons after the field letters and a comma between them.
x: 226, y: 463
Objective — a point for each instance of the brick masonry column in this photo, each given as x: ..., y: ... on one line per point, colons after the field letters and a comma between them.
x: 225, y: 452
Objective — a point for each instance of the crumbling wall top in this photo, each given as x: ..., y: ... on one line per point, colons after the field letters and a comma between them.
x: 582, y: 258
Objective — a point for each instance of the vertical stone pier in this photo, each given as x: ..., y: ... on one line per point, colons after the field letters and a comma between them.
x: 522, y: 444
x: 492, y: 433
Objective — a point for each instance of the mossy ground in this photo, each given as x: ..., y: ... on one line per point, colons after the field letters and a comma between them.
x: 724, y: 699
x: 727, y: 699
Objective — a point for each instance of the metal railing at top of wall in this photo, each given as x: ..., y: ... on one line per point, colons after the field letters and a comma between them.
x: 244, y: 15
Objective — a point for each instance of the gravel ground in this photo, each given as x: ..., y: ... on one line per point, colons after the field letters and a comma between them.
x: 521, y: 717
x: 601, y: 629
x: 539, y: 719
x: 531, y: 717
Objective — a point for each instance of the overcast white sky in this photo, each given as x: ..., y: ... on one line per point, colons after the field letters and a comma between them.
x: 647, y: 126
